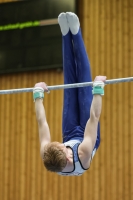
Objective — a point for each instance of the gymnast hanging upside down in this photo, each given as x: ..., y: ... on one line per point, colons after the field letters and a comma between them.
x: 81, y: 111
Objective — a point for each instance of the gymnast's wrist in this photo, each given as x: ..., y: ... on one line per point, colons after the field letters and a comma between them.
x: 98, y: 88
x: 38, y: 93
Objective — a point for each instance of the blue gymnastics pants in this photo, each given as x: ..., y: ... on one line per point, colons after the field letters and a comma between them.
x: 77, y: 101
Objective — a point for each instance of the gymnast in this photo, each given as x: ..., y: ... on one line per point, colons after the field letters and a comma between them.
x: 81, y: 109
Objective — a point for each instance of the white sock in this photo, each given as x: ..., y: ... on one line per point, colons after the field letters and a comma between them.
x: 73, y: 22
x: 62, y: 20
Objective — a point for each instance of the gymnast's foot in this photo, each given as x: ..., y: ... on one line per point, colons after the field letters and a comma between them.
x: 62, y: 20
x: 73, y: 22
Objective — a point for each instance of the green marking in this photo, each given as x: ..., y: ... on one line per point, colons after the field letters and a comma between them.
x: 19, y: 25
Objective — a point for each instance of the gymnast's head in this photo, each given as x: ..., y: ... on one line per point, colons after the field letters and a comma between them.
x: 55, y: 156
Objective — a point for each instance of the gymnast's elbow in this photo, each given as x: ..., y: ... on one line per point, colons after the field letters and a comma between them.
x: 41, y: 120
x: 95, y: 115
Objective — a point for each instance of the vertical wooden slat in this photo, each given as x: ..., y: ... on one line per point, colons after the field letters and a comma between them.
x: 131, y: 96
x: 100, y: 71
x: 13, y: 148
x: 126, y: 97
x: 107, y: 108
x: 2, y: 145
x: 120, y: 97
x: 7, y: 146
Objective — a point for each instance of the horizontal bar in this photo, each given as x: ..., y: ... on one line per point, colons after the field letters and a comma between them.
x: 66, y: 86
x: 48, y: 22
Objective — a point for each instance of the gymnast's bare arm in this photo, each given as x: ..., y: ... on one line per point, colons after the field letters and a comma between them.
x: 90, y: 134
x: 44, y: 132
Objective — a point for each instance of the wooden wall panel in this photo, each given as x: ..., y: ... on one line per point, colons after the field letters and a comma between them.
x: 108, y: 35
x: 21, y: 172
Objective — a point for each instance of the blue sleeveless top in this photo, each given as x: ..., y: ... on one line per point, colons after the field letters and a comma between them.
x: 78, y: 168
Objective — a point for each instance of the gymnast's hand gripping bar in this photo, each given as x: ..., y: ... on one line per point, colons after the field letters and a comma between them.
x: 66, y: 86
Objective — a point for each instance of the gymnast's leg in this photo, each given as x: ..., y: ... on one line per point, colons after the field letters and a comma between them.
x: 70, y: 108
x: 83, y: 72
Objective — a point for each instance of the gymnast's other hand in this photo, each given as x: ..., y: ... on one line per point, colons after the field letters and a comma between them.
x: 42, y: 85
x: 100, y: 78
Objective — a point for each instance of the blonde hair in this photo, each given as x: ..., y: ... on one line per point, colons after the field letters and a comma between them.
x: 54, y: 158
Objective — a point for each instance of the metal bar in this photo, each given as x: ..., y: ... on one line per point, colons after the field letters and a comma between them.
x: 66, y: 86
x: 48, y: 22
